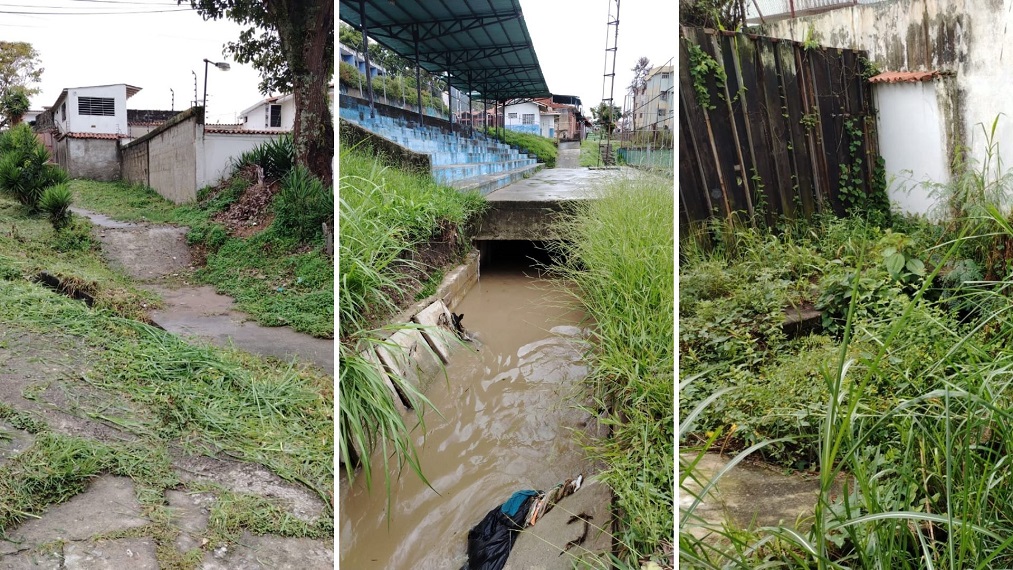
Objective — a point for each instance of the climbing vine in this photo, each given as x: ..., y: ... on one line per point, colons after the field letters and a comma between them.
x: 874, y: 204
x: 701, y: 66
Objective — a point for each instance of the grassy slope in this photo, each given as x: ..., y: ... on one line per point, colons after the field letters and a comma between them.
x: 907, y: 414
x: 384, y: 212
x: 152, y: 384
x: 542, y: 147
x: 621, y: 258
x: 278, y: 281
x: 28, y: 246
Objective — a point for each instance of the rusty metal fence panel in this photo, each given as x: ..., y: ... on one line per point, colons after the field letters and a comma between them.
x: 779, y: 136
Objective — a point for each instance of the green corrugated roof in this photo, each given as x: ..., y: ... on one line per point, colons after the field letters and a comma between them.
x: 482, y: 43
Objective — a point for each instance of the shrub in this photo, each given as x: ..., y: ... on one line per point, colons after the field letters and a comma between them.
x: 76, y: 236
x: 55, y: 202
x: 303, y: 205
x: 276, y: 157
x: 25, y: 170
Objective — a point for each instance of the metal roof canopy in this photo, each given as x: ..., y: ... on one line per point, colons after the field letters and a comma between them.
x: 483, y: 45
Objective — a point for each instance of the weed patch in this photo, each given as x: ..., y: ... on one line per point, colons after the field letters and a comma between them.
x: 619, y: 251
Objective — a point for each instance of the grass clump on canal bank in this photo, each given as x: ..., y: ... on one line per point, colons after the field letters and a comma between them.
x: 900, y: 405
x: 397, y: 230
x: 619, y: 251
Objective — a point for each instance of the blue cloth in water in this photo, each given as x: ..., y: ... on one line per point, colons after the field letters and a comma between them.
x: 515, y: 502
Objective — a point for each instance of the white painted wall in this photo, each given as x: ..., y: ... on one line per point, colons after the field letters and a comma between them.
x: 548, y: 125
x: 77, y: 123
x: 214, y: 160
x: 912, y: 143
x: 522, y: 109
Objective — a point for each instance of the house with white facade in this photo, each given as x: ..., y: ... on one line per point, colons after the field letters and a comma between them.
x: 525, y: 116
x: 275, y: 114
x: 84, y: 128
x: 656, y: 102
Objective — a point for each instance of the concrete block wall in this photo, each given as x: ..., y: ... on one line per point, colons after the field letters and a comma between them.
x: 134, y: 163
x: 172, y: 161
x: 93, y: 159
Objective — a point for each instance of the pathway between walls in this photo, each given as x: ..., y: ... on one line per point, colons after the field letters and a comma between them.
x: 158, y: 255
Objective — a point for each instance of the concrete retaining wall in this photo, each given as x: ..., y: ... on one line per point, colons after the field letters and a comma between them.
x: 352, y: 134
x: 424, y: 352
x: 178, y: 158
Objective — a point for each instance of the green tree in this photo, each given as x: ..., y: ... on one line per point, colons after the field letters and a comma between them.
x: 606, y: 116
x: 13, y: 104
x: 639, y: 83
x: 291, y: 43
x: 718, y: 14
x: 19, y: 72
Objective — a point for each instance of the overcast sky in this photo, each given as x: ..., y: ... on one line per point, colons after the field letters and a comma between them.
x: 569, y: 38
x: 156, y: 51
x: 159, y: 51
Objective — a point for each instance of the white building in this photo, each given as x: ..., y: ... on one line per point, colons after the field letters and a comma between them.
x: 84, y: 128
x: 655, y: 108
x: 100, y: 109
x: 275, y: 113
x: 526, y: 117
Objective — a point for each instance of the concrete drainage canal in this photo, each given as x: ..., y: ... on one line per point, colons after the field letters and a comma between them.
x: 507, y: 422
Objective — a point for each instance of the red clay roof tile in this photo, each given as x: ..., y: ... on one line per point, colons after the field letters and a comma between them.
x: 903, y: 76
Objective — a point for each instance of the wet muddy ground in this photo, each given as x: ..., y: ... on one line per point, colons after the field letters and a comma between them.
x: 105, y: 526
x: 508, y: 423
x: 158, y: 256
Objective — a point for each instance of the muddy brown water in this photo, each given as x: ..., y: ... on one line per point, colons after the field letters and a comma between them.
x: 507, y: 425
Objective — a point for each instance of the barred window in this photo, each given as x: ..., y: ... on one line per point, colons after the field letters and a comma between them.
x: 100, y: 106
x: 273, y: 115
x: 528, y: 119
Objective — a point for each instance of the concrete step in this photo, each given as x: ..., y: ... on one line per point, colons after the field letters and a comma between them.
x: 478, y: 159
x: 485, y: 184
x: 450, y: 173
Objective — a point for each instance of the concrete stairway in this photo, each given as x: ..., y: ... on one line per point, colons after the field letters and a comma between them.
x: 466, y: 163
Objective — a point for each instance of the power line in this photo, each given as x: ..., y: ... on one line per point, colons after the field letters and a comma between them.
x: 91, y: 13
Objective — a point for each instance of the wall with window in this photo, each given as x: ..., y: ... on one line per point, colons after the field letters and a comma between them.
x: 524, y: 117
x: 95, y: 110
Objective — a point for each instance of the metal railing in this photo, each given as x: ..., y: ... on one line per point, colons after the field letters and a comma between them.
x: 757, y: 10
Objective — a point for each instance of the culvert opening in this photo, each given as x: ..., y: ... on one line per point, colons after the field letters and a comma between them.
x: 526, y: 256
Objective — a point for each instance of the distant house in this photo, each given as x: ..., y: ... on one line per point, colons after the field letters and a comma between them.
x: 84, y: 127
x: 546, y: 117
x: 525, y: 116
x: 29, y: 116
x: 656, y: 102
x: 275, y: 113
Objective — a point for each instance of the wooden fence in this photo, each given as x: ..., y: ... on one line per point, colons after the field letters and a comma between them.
x: 772, y: 128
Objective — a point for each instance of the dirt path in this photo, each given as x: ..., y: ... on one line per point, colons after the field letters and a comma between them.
x: 158, y: 255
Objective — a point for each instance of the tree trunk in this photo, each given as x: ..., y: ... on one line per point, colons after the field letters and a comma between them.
x: 306, y: 29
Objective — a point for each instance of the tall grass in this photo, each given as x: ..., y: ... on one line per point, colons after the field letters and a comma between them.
x: 384, y: 213
x: 619, y: 251
x: 913, y: 439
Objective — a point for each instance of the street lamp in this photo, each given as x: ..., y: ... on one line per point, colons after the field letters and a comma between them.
x: 220, y: 65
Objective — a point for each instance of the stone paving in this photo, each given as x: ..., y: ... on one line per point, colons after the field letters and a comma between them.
x: 103, y: 528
